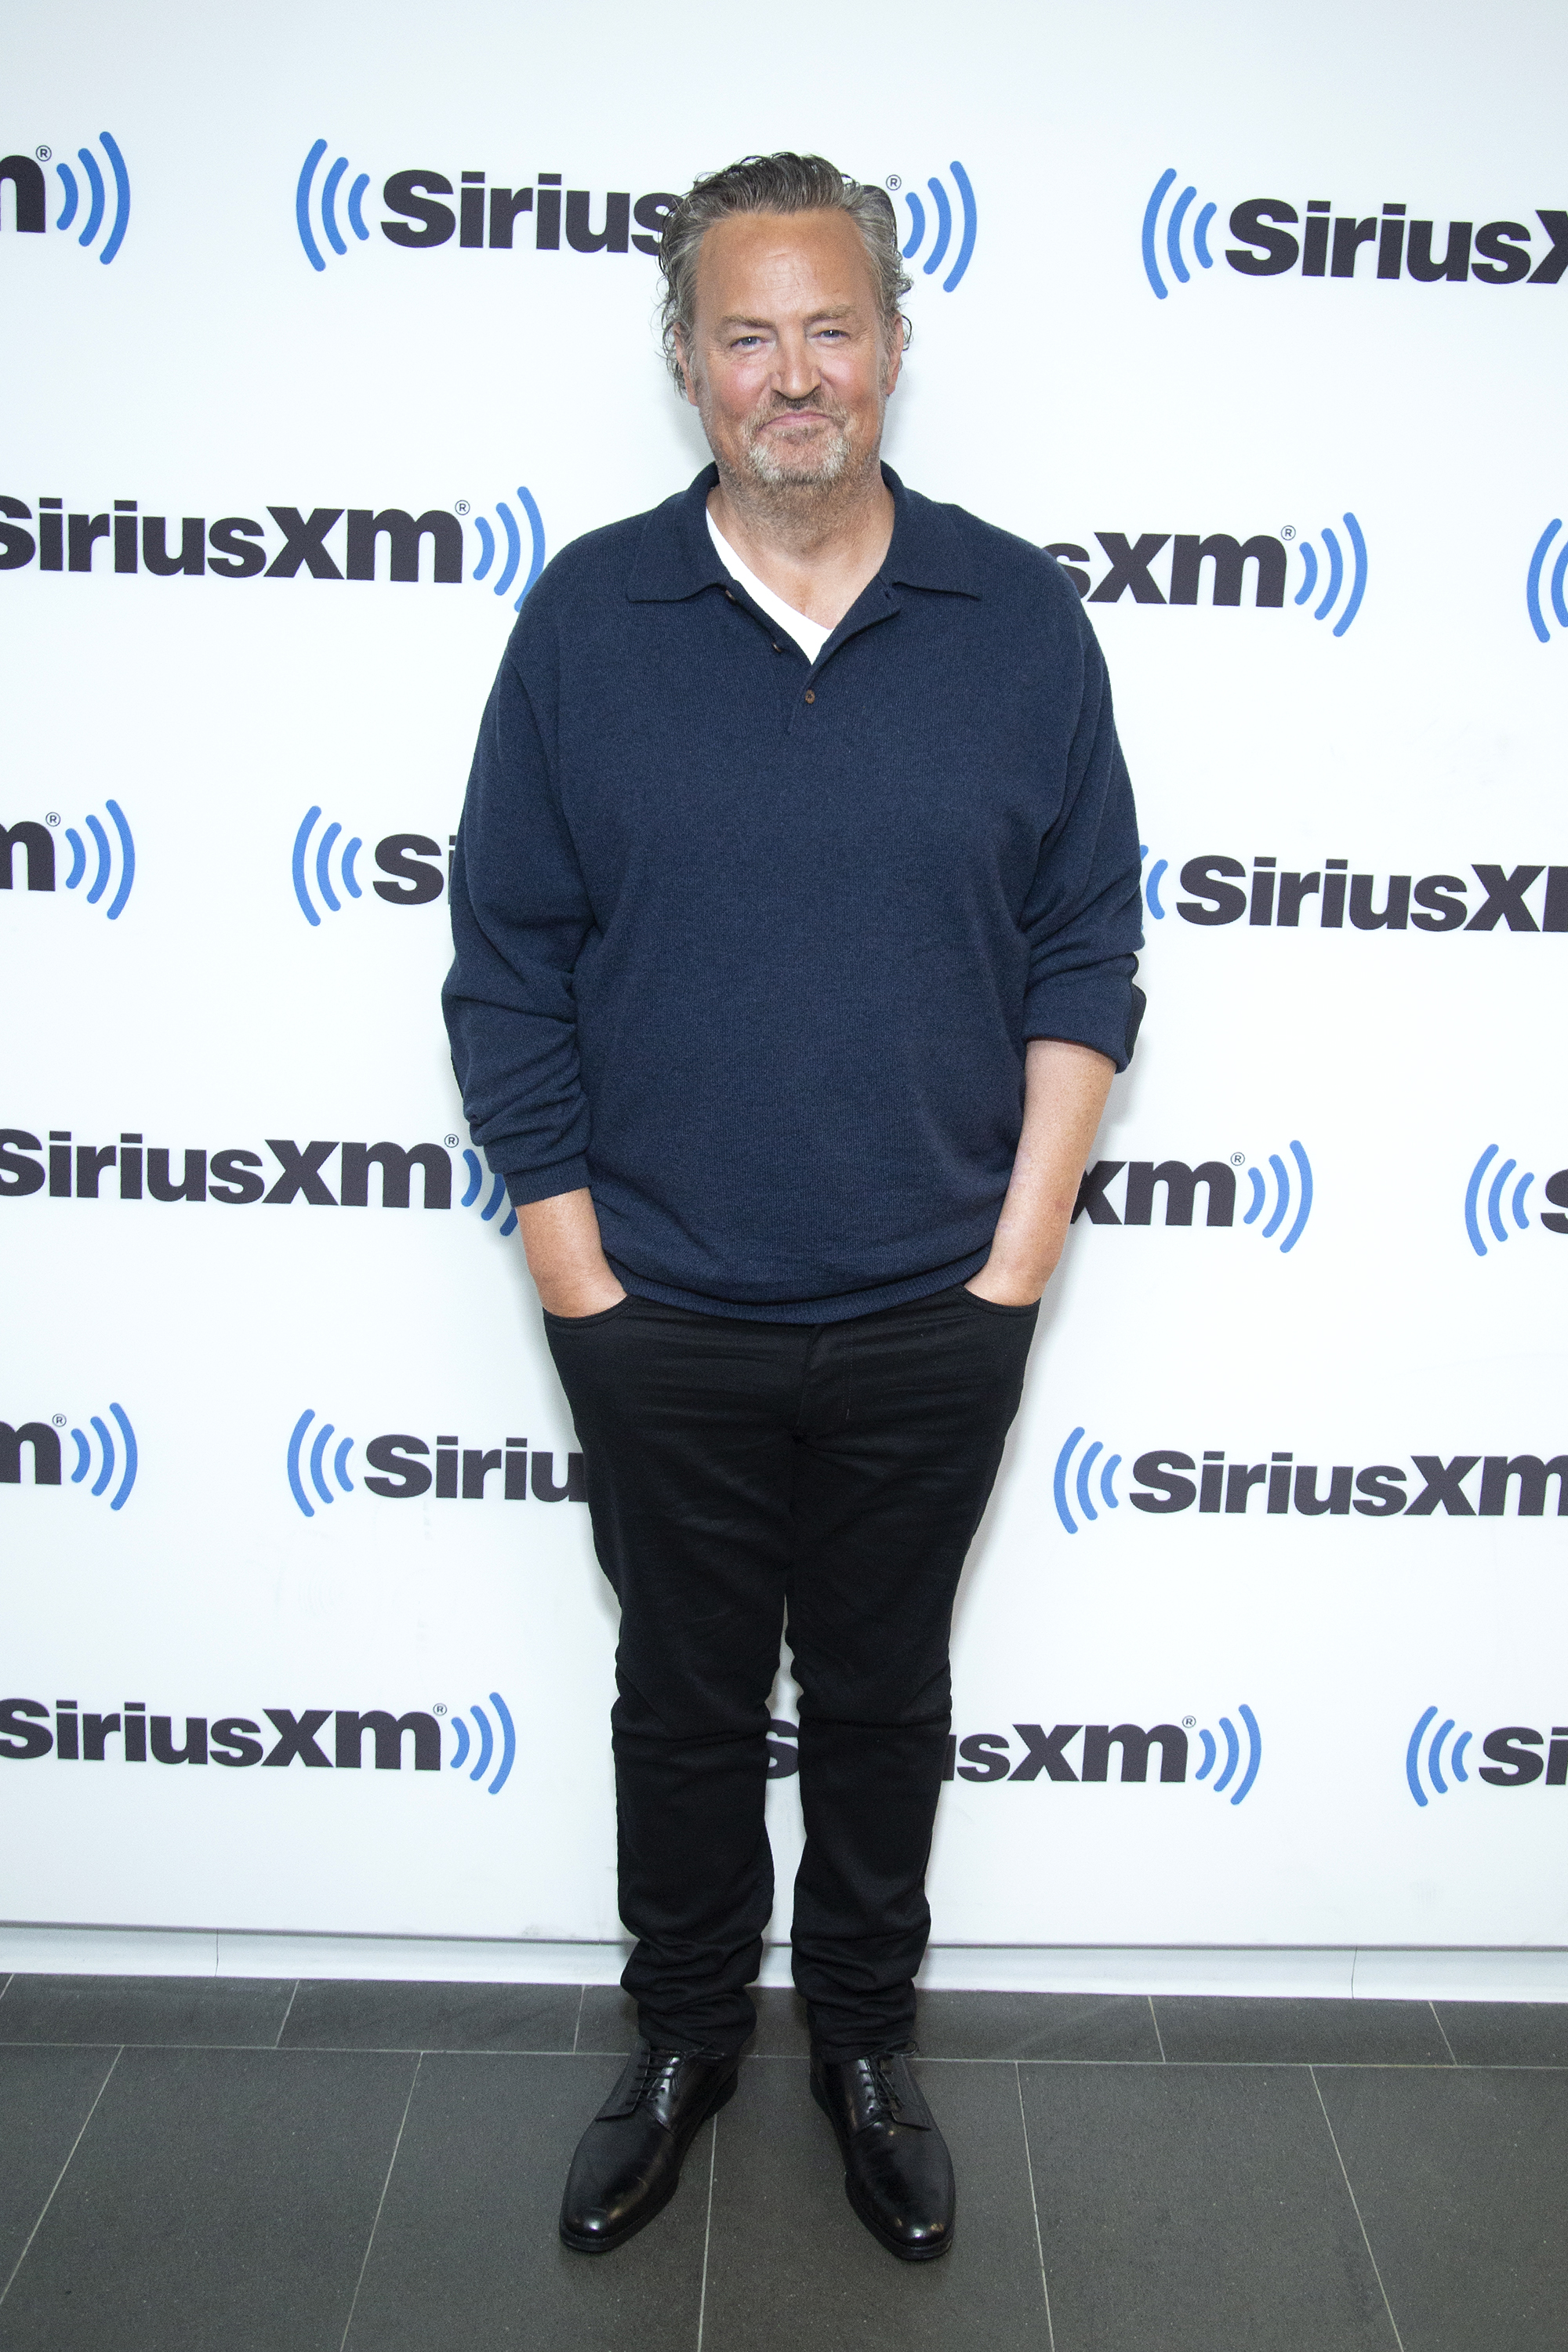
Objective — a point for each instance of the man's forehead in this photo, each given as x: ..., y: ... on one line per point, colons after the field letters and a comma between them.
x: 815, y: 259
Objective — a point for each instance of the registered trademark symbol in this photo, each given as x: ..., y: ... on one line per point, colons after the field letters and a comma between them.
x: 451, y: 1143
x: 1286, y: 530
x: 1189, y: 1720
x: 1238, y: 1158
x: 59, y: 1419
x: 893, y: 178
x: 43, y: 153
x: 460, y: 506
x: 439, y: 1708
x: 53, y: 817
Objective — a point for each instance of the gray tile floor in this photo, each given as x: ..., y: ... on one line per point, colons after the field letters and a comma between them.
x: 217, y: 2166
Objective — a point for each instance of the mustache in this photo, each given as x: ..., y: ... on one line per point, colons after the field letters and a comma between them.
x: 811, y: 403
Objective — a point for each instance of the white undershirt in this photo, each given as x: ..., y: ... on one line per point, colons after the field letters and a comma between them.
x: 810, y: 635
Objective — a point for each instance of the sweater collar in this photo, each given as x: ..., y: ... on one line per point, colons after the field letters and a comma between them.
x: 676, y: 557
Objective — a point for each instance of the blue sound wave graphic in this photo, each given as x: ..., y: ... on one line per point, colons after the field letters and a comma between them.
x: 109, y: 1458
x: 1333, y: 564
x: 1424, y: 1767
x: 943, y: 216
x: 476, y: 1185
x: 1175, y: 223
x: 326, y: 201
x: 1282, y: 1197
x: 1516, y: 1208
x: 485, y: 1744
x: 317, y: 1463
x: 105, y: 859
x: 1087, y: 1461
x: 1558, y: 584
x: 1232, y: 1756
x: 488, y: 543
x: 1151, y: 882
x: 96, y: 196
x: 320, y: 865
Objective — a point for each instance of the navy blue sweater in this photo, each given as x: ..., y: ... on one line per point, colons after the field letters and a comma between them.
x: 752, y: 947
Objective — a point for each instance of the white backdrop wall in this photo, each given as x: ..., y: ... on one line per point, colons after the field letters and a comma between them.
x: 1357, y: 1706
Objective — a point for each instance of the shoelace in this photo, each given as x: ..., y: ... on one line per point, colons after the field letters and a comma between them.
x: 882, y: 2104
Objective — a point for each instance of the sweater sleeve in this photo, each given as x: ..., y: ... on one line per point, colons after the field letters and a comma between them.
x: 521, y: 913
x: 1083, y: 917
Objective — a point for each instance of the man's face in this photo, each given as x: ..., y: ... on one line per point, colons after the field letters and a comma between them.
x: 786, y: 363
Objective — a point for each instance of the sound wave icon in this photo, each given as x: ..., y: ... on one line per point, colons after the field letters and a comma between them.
x: 327, y: 205
x: 488, y: 543
x: 1282, y: 1195
x: 105, y: 857
x: 1226, y: 1773
x: 322, y: 863
x: 1334, y: 565
x: 109, y: 1458
x: 476, y: 1185
x: 1151, y: 882
x: 318, y: 1460
x: 96, y: 196
x: 486, y: 1743
x: 1558, y: 582
x: 1494, y: 1200
x: 1087, y: 1461
x: 1427, y: 1768
x: 1175, y: 225
x: 944, y: 216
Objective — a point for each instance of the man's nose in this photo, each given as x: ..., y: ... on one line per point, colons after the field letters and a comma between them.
x: 795, y: 372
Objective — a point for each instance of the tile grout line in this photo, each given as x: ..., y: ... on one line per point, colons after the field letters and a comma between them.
x: 6, y: 1988
x: 1155, y: 2019
x: 1442, y: 2029
x: 278, y: 2041
x: 582, y: 1995
x: 381, y: 2201
x: 1355, y: 2209
x: 64, y: 2167
x: 1035, y: 2208
x: 707, y: 2233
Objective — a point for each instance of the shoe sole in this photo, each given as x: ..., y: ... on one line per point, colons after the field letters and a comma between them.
x: 608, y: 2243
x: 868, y: 2219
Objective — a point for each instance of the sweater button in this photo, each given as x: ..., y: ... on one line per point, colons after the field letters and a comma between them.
x: 809, y: 695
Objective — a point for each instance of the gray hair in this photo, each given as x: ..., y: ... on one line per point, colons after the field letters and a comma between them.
x: 773, y: 183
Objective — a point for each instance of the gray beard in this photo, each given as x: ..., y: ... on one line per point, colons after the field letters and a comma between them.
x: 774, y: 472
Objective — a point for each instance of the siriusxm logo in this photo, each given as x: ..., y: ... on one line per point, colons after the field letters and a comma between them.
x: 1514, y: 1764
x: 1129, y: 559
x: 387, y: 543
x: 486, y: 217
x: 944, y: 214
x: 1499, y: 253
x: 983, y: 1756
x: 1179, y: 1183
x: 77, y: 1736
x: 1542, y: 548
x: 403, y: 1472
x: 100, y: 199
x: 1428, y: 902
x: 1286, y: 1486
x: 319, y: 870
x: 36, y: 844
x: 1555, y: 1189
x: 238, y: 1178
x: 42, y: 1440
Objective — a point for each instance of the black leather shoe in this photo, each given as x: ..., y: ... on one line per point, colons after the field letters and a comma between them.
x: 627, y: 2165
x: 897, y: 2174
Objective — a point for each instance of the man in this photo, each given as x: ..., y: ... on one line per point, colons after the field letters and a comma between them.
x: 795, y: 903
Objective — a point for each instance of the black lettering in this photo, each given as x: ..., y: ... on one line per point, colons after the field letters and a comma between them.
x: 614, y: 237
x: 1181, y: 1183
x: 194, y: 1185
x: 192, y: 557
x: 91, y: 1159
x: 1502, y: 264
x: 985, y: 1756
x: 1045, y: 1755
x: 229, y: 1744
x: 409, y: 193
x: 1454, y: 265
x: 1135, y: 1742
x: 1158, y: 1472
x: 1063, y: 548
x: 404, y: 1479
x: 82, y: 533
x: 1349, y: 236
x: 1445, y: 1485
x: 301, y: 1172
x: 233, y: 557
x: 387, y: 1733
x: 1384, y: 1488
x: 297, y: 1737
x: 401, y: 854
x: 505, y: 206
x: 1091, y: 1193
x: 17, y: 546
x: 1532, y: 1474
x: 478, y: 1463
x: 547, y: 219
x: 1444, y: 895
x: 46, y: 1444
x: 1311, y: 1503
x: 545, y: 1489
x: 1554, y: 916
x: 1200, y: 875
x: 396, y: 1168
x: 783, y: 1749
x: 1514, y: 1765
x: 195, y: 1750
x: 96, y: 1730
x: 1251, y: 224
x: 1240, y: 1480
x: 1556, y: 1190
x: 302, y: 544
x: 1229, y: 557
x: 1293, y: 888
x: 1391, y: 240
x: 1550, y: 271
x: 1392, y: 915
x: 1505, y: 897
x: 1129, y: 567
x: 27, y: 184
x: 229, y: 1181
x: 19, y: 1739
x: 404, y: 533
x: 18, y: 1175
x: 651, y: 212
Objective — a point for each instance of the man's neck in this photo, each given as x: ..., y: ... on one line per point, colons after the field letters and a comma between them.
x: 817, y: 549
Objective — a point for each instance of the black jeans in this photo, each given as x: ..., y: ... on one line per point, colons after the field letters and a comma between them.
x: 741, y: 1474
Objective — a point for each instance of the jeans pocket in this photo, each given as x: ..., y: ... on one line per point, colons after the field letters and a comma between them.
x: 994, y: 1306
x: 587, y: 1322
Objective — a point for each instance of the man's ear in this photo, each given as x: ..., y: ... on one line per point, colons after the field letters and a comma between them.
x: 683, y: 354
